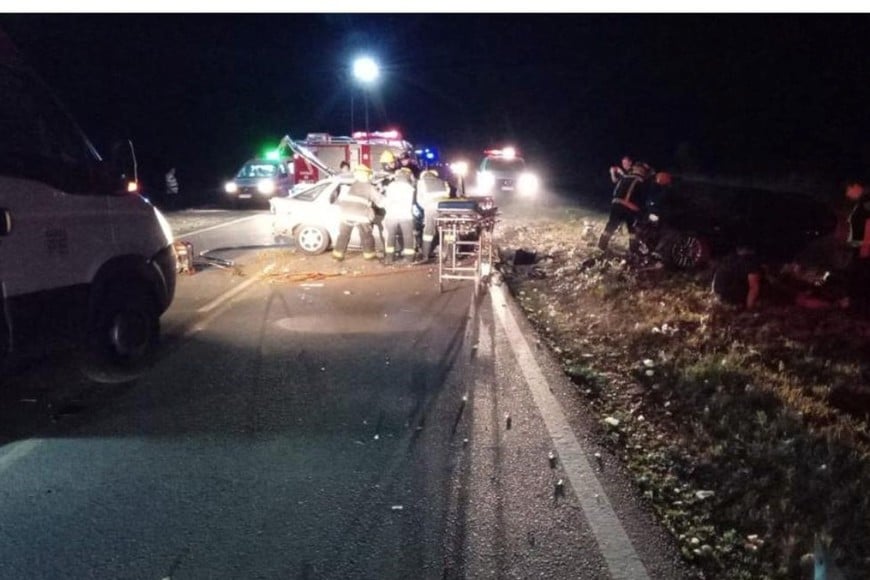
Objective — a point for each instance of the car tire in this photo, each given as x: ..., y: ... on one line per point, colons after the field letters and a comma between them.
x: 686, y: 252
x: 124, y: 328
x: 312, y: 240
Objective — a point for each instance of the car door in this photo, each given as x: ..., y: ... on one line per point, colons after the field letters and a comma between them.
x: 54, y: 226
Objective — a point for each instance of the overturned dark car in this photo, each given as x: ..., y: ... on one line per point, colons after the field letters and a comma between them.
x: 699, y: 221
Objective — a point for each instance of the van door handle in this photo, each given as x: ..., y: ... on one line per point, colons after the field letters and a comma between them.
x: 5, y: 221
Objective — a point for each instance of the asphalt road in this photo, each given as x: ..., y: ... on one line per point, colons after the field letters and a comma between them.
x: 325, y: 421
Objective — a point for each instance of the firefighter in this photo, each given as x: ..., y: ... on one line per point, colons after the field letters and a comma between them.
x: 388, y: 161
x: 859, y: 241
x: 430, y: 190
x: 400, y: 217
x: 407, y: 162
x: 357, y: 209
x: 629, y: 200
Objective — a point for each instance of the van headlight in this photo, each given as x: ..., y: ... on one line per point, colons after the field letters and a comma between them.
x: 231, y: 187
x: 266, y: 186
x: 528, y: 184
x: 485, y: 180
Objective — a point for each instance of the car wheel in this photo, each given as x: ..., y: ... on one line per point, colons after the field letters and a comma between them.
x: 687, y: 251
x: 312, y: 240
x: 126, y: 327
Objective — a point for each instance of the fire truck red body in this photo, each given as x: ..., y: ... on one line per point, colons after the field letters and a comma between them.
x: 359, y: 149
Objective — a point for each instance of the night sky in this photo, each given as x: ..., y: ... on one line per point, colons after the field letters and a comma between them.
x: 783, y: 97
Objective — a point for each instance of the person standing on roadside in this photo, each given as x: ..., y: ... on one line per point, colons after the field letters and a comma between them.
x: 859, y: 241
x: 629, y: 200
x: 171, y: 188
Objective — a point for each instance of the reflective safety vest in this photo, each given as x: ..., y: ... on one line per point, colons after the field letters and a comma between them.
x: 630, y: 190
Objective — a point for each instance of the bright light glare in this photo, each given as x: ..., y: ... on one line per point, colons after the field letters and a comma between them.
x: 132, y: 187
x: 528, y: 184
x: 273, y: 155
x: 365, y: 69
x: 509, y: 152
x: 266, y: 186
x: 485, y: 181
x: 460, y: 168
x: 231, y: 187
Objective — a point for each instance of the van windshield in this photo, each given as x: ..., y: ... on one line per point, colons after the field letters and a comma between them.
x: 506, y: 165
x: 258, y: 170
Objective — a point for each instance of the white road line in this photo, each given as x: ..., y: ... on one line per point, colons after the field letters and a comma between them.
x: 227, y: 295
x: 15, y: 451
x: 618, y: 551
x: 223, y: 225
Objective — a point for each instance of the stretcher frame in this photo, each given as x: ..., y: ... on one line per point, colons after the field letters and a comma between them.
x: 461, y: 255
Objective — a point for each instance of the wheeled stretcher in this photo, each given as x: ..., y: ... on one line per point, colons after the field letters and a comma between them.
x: 465, y: 240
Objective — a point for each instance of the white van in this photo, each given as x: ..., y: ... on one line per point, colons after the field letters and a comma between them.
x: 81, y: 259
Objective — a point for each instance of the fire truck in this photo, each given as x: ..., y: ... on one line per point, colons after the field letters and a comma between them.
x: 320, y: 154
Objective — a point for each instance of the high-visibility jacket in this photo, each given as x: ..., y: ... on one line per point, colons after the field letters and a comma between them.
x: 631, y: 186
x: 399, y: 199
x: 171, y: 183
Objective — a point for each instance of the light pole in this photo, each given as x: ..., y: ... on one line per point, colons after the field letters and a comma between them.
x: 366, y: 71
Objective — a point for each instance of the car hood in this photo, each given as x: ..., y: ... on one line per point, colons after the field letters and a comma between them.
x: 307, y: 154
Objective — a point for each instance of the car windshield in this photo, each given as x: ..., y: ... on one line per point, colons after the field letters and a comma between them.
x: 258, y: 170
x: 312, y: 192
x: 504, y: 165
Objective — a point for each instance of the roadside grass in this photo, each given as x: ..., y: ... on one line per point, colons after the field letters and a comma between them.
x: 741, y: 429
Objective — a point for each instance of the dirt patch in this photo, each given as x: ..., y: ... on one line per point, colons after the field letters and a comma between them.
x: 747, y: 433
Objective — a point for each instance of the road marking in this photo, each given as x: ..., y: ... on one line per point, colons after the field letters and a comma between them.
x: 223, y: 225
x: 619, y: 554
x: 15, y: 451
x: 228, y: 295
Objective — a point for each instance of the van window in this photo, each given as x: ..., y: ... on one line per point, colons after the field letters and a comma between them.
x: 37, y: 139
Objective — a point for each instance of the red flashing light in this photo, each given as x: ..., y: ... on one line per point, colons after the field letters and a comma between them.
x: 506, y: 153
x: 391, y: 134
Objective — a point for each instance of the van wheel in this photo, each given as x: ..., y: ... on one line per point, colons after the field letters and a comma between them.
x: 126, y: 327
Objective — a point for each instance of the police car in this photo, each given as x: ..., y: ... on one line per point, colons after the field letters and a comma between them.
x: 503, y: 172
x: 84, y: 258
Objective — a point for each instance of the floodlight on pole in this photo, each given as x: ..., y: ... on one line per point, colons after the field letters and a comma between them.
x: 366, y: 71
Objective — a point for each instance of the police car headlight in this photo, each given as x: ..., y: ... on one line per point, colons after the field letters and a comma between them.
x: 266, y: 186
x: 485, y: 180
x: 231, y: 187
x: 528, y: 184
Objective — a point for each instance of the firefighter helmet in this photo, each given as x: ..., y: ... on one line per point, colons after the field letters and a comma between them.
x: 387, y: 157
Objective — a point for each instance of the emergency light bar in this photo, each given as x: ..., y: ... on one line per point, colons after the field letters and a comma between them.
x: 506, y: 153
x: 378, y: 135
